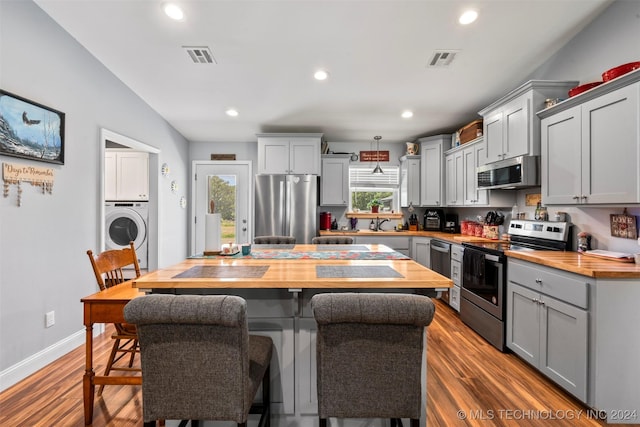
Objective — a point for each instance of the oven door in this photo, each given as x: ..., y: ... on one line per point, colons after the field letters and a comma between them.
x: 483, y: 281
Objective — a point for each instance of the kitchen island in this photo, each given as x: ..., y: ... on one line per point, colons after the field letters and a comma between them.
x: 278, y: 286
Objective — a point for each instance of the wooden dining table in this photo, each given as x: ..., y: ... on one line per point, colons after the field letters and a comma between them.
x: 291, y: 268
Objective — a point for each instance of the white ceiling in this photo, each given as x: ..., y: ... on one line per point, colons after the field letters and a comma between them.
x: 376, y: 52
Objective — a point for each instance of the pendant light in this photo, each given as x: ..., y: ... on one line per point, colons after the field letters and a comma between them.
x: 378, y: 169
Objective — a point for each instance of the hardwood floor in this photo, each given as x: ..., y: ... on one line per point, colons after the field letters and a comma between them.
x: 465, y: 374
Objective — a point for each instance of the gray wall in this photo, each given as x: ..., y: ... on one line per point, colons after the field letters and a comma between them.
x: 43, y: 244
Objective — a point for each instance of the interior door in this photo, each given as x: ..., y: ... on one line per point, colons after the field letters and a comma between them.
x: 229, y: 186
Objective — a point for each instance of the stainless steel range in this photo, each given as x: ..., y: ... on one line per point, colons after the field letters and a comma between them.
x: 484, y: 274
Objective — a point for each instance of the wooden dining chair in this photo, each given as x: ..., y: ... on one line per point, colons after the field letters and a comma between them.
x: 108, y: 268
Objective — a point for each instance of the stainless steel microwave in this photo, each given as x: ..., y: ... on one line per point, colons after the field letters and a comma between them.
x: 518, y: 172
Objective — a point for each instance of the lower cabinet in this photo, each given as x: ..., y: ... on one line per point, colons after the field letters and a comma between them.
x: 457, y: 252
x: 549, y: 333
x: 306, y: 367
x: 421, y: 250
x: 397, y: 243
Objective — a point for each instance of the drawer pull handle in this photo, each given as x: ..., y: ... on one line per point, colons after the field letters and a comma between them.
x: 539, y: 281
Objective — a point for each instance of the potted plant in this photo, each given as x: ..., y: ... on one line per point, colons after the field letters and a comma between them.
x: 374, y: 205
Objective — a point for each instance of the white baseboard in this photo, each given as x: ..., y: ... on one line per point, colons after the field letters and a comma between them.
x: 28, y: 366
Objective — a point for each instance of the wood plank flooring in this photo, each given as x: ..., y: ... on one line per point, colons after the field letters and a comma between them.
x: 464, y: 374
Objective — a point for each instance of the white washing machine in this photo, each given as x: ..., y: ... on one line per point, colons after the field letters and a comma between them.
x: 126, y: 222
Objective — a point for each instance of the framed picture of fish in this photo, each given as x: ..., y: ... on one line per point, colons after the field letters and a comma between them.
x: 30, y: 130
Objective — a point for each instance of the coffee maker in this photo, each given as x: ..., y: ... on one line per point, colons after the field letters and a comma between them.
x: 451, y: 223
x: 433, y: 220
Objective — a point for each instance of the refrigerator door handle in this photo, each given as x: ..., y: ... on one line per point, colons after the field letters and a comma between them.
x: 287, y: 208
x: 283, y: 205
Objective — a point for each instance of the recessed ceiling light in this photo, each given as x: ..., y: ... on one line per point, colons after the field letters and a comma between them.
x: 407, y: 114
x: 173, y: 11
x: 468, y: 17
x: 320, y: 75
x: 232, y: 112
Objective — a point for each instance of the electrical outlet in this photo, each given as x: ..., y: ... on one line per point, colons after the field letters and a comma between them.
x: 49, y: 319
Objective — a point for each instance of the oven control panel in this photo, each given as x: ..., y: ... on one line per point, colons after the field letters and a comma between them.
x: 539, y: 229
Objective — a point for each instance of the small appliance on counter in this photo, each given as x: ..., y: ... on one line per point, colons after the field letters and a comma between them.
x: 325, y: 220
x: 451, y: 223
x: 434, y: 220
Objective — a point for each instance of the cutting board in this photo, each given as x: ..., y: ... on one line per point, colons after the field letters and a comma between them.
x: 610, y: 255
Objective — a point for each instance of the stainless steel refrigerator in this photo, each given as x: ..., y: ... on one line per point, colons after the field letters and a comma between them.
x: 286, y: 205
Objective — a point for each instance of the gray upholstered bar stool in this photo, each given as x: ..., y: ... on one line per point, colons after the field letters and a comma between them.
x: 274, y: 240
x: 370, y: 355
x: 198, y: 360
x: 332, y: 240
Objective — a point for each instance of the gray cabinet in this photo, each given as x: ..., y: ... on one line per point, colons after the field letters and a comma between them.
x: 462, y: 181
x: 334, y: 188
x: 511, y: 127
x: 409, y: 181
x: 432, y: 150
x: 547, y: 323
x: 591, y: 151
x: 282, y: 153
x: 454, y: 178
x: 457, y: 252
x: 421, y: 250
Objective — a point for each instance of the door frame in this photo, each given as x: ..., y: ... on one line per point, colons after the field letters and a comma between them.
x: 192, y: 202
x: 153, y: 224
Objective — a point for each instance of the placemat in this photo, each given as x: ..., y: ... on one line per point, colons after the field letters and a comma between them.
x: 356, y: 272
x: 355, y: 248
x: 223, y: 272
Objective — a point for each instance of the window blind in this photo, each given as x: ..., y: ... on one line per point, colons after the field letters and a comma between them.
x: 361, y: 176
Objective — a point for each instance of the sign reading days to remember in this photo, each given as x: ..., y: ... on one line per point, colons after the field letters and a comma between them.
x: 14, y: 173
x: 374, y: 156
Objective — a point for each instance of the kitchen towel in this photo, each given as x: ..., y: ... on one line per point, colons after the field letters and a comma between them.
x: 212, y: 226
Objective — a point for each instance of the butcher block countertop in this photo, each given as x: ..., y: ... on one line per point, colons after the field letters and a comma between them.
x: 568, y: 261
x: 450, y: 237
x: 580, y: 264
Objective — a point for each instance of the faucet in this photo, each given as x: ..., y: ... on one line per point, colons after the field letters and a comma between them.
x: 379, y: 223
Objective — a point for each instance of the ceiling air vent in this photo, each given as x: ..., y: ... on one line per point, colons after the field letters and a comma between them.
x: 442, y: 58
x: 200, y: 54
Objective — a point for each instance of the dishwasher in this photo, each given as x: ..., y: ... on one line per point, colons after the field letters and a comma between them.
x: 441, y: 262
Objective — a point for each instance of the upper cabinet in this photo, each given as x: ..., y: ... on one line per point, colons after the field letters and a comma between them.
x: 289, y: 153
x: 461, y: 178
x: 334, y: 190
x: 126, y: 175
x: 591, y: 146
x: 511, y: 127
x: 410, y: 181
x: 432, y: 150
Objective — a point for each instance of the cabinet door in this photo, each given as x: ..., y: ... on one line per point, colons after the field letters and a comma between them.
x: 610, y: 147
x: 515, y: 124
x: 410, y: 182
x: 421, y: 251
x: 335, y: 182
x: 273, y: 155
x: 563, y: 345
x: 561, y: 163
x: 133, y: 175
x: 282, y: 363
x: 304, y: 156
x: 472, y: 156
x: 523, y: 322
x: 110, y: 176
x: 493, y: 136
x: 431, y: 174
x: 454, y: 180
